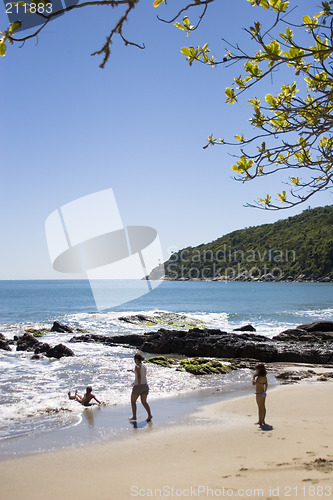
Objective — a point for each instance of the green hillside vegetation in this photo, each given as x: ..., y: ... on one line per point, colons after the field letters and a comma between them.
x: 300, y: 247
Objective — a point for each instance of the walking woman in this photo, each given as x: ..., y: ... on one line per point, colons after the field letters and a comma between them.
x: 140, y: 387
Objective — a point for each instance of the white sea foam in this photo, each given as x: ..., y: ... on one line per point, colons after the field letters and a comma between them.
x: 34, y: 392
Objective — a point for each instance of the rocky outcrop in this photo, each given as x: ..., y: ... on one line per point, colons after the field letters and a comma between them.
x: 26, y: 342
x: 219, y: 344
x: 202, y: 366
x: 61, y: 328
x: 196, y: 366
x: 245, y: 328
x: 292, y: 376
x: 29, y: 343
x: 136, y: 319
x: 4, y: 343
x: 319, y: 331
x: 163, y: 318
x: 59, y: 351
x: 161, y: 361
x: 318, y: 326
x: 130, y: 339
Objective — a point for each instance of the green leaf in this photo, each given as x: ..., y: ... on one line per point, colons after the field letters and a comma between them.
x: 186, y: 51
x: 2, y: 49
x: 179, y: 26
x: 264, y: 4
x: 307, y: 20
x: 269, y: 99
x: 295, y: 181
x: 240, y: 138
x: 230, y: 93
x: 282, y: 196
x: 15, y: 26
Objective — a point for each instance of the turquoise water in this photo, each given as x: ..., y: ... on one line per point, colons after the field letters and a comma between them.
x: 33, y: 393
x: 276, y: 303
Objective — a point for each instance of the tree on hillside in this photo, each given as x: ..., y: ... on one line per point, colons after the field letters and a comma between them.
x: 292, y: 129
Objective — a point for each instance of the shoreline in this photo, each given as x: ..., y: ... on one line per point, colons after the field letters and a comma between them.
x: 217, y: 447
x: 109, y: 423
x: 100, y: 424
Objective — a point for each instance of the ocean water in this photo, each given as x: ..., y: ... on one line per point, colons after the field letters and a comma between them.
x: 33, y: 393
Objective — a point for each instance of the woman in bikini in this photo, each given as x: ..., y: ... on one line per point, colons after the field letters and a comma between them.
x: 140, y: 387
x: 260, y: 381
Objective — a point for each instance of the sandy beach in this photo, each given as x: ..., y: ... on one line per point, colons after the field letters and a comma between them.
x: 219, y: 453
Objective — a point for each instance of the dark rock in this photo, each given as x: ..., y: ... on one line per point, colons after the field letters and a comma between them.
x: 42, y: 348
x: 26, y: 343
x: 318, y: 326
x: 217, y: 344
x: 4, y: 343
x: 245, y: 328
x: 131, y: 339
x: 136, y: 318
x: 35, y: 356
x: 290, y: 377
x: 302, y: 335
x: 59, y: 351
x: 29, y: 343
x: 61, y: 328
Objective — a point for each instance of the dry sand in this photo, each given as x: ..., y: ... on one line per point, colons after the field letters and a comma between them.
x: 219, y: 454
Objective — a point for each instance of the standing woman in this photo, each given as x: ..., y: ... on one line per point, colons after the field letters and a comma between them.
x: 260, y: 381
x: 140, y: 387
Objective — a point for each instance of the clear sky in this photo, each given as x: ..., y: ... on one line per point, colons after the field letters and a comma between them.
x: 69, y: 128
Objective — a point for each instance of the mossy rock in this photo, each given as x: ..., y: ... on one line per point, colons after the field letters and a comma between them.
x: 35, y: 332
x: 179, y: 324
x: 161, y: 361
x: 203, y: 366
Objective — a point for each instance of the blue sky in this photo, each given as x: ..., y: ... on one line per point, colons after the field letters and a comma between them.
x: 69, y: 129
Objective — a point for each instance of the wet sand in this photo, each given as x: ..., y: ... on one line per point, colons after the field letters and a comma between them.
x: 217, y: 452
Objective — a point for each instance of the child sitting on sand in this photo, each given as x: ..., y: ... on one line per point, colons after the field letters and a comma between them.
x: 86, y: 398
x: 260, y: 381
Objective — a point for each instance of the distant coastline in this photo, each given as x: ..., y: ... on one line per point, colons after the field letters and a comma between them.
x: 297, y: 249
x: 263, y: 279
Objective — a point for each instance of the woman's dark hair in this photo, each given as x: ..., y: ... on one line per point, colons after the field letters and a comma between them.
x: 261, y: 370
x: 139, y: 357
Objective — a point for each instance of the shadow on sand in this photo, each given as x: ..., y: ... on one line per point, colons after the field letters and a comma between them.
x: 266, y: 427
x: 140, y: 425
